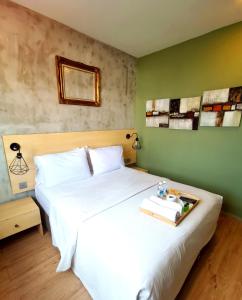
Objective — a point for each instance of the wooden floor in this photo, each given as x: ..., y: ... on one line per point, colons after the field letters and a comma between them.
x: 28, y: 262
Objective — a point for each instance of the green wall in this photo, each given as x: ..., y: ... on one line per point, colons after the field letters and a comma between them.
x: 208, y: 158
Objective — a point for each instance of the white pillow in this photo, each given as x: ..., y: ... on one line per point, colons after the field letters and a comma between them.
x: 106, y: 159
x: 53, y: 169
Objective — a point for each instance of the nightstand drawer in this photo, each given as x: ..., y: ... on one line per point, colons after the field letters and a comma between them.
x: 18, y: 223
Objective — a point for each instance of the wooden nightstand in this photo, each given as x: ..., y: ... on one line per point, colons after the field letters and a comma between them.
x: 19, y: 215
x: 138, y: 168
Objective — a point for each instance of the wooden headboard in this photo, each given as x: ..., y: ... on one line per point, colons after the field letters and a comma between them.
x: 37, y: 144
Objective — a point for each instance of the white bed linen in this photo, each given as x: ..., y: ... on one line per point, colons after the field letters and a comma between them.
x: 125, y: 254
x: 119, y: 252
x: 42, y: 197
x: 74, y: 202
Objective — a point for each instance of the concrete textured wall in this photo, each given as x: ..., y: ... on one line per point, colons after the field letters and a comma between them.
x: 28, y: 89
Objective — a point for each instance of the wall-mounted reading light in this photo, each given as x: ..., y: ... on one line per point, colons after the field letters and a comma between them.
x: 18, y: 166
x: 136, y: 144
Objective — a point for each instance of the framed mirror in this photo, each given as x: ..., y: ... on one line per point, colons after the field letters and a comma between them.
x: 78, y: 83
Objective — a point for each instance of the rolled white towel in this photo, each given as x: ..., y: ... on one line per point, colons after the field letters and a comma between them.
x: 166, y: 212
x: 164, y: 203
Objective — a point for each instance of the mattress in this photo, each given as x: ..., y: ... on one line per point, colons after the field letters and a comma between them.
x: 117, y: 251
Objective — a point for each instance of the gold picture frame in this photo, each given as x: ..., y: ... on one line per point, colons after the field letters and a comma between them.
x: 78, y: 83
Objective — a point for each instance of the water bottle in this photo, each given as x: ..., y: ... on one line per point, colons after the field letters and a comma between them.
x: 162, y: 189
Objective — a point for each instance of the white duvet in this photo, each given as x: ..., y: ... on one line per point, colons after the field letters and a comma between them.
x: 78, y: 201
x: 118, y: 252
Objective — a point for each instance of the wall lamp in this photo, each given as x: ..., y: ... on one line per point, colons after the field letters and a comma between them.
x: 136, y: 144
x: 18, y: 166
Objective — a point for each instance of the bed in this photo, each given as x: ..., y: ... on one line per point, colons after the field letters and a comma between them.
x: 118, y: 252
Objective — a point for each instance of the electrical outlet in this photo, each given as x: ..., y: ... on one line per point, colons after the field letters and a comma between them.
x: 23, y: 185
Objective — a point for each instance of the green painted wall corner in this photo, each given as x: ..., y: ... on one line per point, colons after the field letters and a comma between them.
x: 208, y: 158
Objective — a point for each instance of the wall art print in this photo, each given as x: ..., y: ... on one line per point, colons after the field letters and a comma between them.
x: 157, y: 113
x: 184, y: 113
x: 173, y: 113
x: 222, y: 108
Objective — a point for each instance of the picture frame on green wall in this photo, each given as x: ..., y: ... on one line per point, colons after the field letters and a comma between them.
x: 182, y: 113
x: 157, y: 113
x: 222, y: 108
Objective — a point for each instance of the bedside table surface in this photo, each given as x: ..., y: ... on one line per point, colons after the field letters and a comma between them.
x: 140, y: 169
x: 17, y: 207
x: 134, y: 166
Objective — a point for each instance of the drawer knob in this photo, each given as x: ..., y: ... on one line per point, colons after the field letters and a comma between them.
x: 16, y: 225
